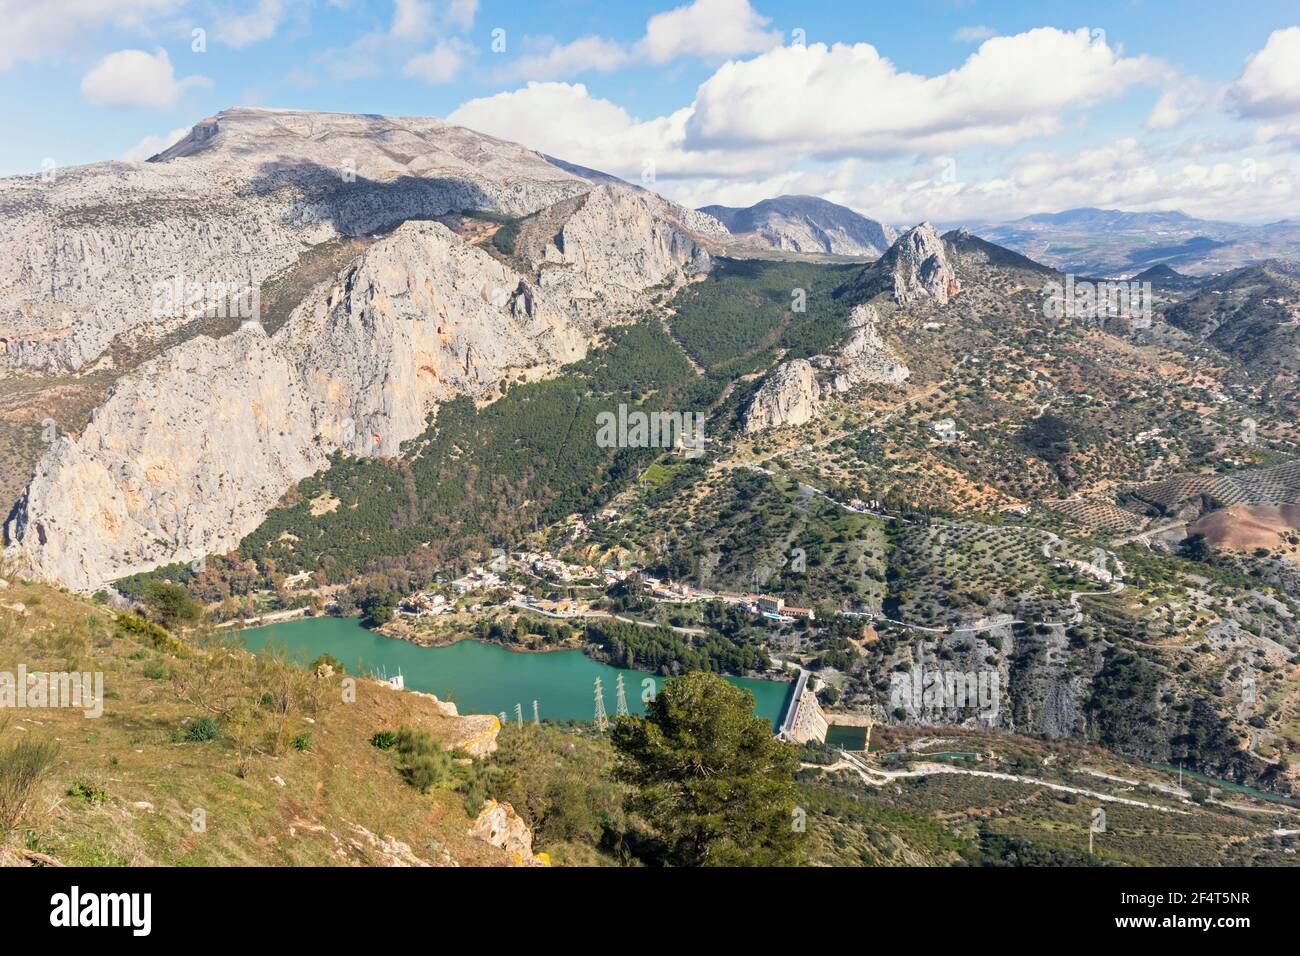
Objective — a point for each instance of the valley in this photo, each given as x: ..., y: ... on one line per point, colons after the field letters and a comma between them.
x: 1037, y: 557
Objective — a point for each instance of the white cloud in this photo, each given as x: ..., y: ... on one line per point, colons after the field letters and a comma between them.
x: 789, y: 133
x: 135, y: 78
x: 554, y: 60
x: 461, y: 13
x: 975, y: 34
x: 564, y: 120
x: 413, y: 23
x: 412, y: 19
x: 33, y: 31
x: 151, y: 145
x: 259, y: 23
x: 1269, y: 85
x: 442, y: 64
x: 763, y: 117
x: 1121, y: 174
x: 707, y: 28
x: 1177, y: 105
x: 704, y: 28
x: 1012, y: 88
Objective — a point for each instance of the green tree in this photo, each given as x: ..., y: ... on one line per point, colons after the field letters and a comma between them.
x: 377, y: 609
x: 170, y: 604
x: 710, y: 778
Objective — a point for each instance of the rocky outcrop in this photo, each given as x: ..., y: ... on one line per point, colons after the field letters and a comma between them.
x: 476, y: 734
x: 499, y: 825
x: 619, y: 239
x: 789, y: 396
x: 864, y: 358
x: 806, y: 224
x: 795, y: 391
x: 918, y: 265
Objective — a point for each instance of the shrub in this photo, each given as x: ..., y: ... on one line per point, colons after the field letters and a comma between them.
x: 21, y: 768
x: 415, y: 743
x: 302, y: 741
x: 327, y: 660
x: 426, y: 771
x: 171, y: 604
x: 202, y: 730
x: 146, y: 631
x: 421, y: 761
x: 90, y: 792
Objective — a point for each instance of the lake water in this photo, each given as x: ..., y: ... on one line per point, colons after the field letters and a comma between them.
x: 486, y: 678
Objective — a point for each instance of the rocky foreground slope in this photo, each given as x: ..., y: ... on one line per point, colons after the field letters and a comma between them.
x: 191, y: 449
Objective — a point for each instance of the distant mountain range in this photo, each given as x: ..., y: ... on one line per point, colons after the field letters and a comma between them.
x: 1087, y: 241
x: 806, y: 224
x: 1109, y: 242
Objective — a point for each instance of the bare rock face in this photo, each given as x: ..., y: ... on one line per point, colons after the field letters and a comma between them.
x: 790, y: 396
x: 919, y: 267
x: 191, y: 451
x: 806, y: 224
x: 623, y: 238
x: 499, y: 825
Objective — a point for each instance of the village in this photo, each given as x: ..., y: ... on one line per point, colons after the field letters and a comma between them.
x: 506, y: 579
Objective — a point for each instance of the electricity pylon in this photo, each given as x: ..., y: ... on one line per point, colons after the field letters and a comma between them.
x: 602, y: 722
x: 620, y: 709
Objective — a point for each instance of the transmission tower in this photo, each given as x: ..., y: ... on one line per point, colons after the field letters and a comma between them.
x: 621, y: 708
x: 536, y: 718
x: 602, y: 722
x: 519, y: 715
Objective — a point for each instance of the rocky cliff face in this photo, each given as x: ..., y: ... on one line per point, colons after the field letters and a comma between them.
x: 789, y: 396
x: 864, y: 358
x: 806, y: 224
x: 190, y: 452
x: 619, y: 240
x: 192, y: 449
x: 918, y: 265
x: 917, y: 270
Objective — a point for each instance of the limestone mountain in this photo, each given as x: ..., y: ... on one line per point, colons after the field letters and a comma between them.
x: 915, y: 268
x: 805, y: 224
x: 193, y: 447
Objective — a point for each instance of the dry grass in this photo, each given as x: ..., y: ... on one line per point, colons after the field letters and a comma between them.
x: 327, y: 804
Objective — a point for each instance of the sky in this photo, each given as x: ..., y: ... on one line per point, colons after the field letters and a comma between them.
x: 947, y: 110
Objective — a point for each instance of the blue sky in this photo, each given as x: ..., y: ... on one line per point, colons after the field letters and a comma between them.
x: 940, y: 109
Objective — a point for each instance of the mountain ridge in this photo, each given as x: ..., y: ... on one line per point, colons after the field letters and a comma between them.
x: 801, y: 223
